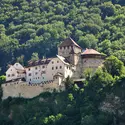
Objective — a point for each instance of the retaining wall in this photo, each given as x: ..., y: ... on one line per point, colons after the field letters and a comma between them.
x: 25, y: 90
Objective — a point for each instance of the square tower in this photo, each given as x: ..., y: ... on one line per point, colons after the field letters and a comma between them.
x: 70, y: 50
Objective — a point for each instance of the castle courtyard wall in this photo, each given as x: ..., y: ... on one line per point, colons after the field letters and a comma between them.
x: 22, y: 89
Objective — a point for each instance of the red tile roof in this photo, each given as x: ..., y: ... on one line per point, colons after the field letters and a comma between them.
x: 90, y: 51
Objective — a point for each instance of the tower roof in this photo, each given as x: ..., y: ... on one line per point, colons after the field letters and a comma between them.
x: 69, y: 42
x: 90, y: 51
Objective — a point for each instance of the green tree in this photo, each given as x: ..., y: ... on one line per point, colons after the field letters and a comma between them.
x: 2, y: 79
x: 114, y: 66
x: 34, y: 56
x: 68, y: 83
x: 70, y: 97
x: 120, y: 55
x: 88, y: 41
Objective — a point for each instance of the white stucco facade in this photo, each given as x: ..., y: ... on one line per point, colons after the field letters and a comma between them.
x: 15, y: 71
x: 47, y: 72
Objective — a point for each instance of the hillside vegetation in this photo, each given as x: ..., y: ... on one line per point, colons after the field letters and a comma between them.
x: 37, y: 26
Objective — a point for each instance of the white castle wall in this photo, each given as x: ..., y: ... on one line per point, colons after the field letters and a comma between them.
x: 22, y: 89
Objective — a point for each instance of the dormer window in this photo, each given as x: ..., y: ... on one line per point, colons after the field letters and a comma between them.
x: 9, y: 75
x: 36, y: 68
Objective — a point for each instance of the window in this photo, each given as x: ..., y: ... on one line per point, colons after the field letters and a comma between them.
x: 30, y: 79
x: 13, y: 75
x: 60, y: 67
x: 36, y: 68
x: 67, y: 67
x: 38, y: 77
x: 29, y: 74
x: 52, y: 62
x: 43, y: 67
x: 43, y: 72
x: 9, y: 75
x: 56, y: 67
x: 60, y: 47
x: 36, y: 73
x: 29, y: 69
x: 57, y: 61
x: 43, y: 77
x: 52, y: 68
x: 16, y: 64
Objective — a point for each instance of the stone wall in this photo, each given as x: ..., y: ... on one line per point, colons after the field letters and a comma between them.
x: 22, y: 89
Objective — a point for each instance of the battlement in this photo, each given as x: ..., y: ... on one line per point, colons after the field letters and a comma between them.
x: 22, y: 83
x: 25, y: 90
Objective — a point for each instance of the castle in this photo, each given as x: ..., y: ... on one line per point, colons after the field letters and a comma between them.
x: 48, y: 74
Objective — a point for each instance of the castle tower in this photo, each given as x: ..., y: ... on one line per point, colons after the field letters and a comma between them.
x: 70, y: 50
x: 66, y: 46
x: 91, y: 59
x: 74, y: 57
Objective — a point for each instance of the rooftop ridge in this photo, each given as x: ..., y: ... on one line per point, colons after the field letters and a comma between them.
x: 90, y: 51
x: 69, y: 42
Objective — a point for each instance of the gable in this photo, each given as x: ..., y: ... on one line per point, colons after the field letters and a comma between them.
x: 18, y: 66
x: 69, y: 42
x: 11, y: 70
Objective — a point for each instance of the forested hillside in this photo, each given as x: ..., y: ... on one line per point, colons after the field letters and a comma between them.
x: 28, y: 27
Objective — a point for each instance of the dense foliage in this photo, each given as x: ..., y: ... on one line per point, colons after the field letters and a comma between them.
x: 37, y: 26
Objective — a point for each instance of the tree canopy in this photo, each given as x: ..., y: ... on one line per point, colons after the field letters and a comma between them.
x: 34, y: 26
